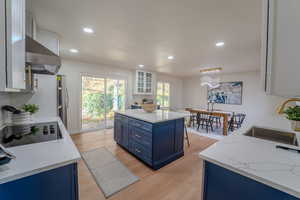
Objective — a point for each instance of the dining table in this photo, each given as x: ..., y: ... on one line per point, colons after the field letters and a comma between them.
x: 216, y: 112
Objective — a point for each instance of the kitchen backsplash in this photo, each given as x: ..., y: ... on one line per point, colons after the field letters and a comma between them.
x: 4, y: 100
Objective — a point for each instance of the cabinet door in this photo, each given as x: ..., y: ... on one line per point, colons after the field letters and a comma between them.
x: 179, y: 135
x: 140, y: 77
x: 59, y: 184
x: 125, y: 133
x: 283, y: 61
x: 118, y: 131
x: 164, y: 140
x: 15, y: 43
x: 148, y: 83
x: 2, y: 46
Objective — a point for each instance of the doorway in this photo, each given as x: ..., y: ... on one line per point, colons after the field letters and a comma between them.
x: 100, y: 97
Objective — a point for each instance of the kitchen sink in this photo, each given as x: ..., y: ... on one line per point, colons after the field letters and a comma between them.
x: 273, y: 135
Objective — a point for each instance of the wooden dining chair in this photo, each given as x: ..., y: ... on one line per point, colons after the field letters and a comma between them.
x: 217, y: 121
x: 236, y: 121
x: 205, y: 120
x: 193, y: 119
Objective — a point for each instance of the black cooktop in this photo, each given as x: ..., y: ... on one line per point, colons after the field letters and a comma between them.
x: 11, y: 136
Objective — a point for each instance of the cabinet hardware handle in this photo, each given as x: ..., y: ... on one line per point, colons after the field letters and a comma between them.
x: 137, y: 150
x: 138, y: 136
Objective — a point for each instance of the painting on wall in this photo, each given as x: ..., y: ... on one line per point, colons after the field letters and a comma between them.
x: 226, y: 93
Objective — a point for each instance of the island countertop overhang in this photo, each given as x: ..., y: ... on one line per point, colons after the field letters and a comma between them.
x: 154, y: 117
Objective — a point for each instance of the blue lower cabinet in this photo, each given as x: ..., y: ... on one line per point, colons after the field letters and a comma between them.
x: 223, y: 184
x: 155, y: 144
x: 56, y: 184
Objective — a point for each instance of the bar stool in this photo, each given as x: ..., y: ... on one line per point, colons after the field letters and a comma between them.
x: 186, y: 133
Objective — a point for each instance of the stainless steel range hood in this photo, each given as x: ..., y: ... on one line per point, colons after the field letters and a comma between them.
x: 41, y: 59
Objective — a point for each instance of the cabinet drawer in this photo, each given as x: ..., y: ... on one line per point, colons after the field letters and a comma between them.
x: 140, y: 151
x: 141, y: 124
x: 141, y: 136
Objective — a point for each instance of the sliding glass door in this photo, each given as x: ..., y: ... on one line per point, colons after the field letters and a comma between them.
x: 100, y: 98
x: 115, y: 99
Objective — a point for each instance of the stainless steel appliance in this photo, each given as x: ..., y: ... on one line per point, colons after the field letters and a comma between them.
x: 17, y: 135
x: 62, y: 99
x: 40, y: 58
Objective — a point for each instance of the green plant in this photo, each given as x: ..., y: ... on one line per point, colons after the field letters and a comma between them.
x: 293, y: 113
x: 32, y: 108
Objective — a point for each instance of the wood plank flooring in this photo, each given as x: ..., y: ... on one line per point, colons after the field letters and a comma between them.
x: 180, y: 180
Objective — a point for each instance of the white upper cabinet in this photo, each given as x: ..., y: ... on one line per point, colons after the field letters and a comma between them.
x: 281, y: 47
x: 48, y: 39
x: 144, y: 83
x: 13, y: 69
x: 2, y: 46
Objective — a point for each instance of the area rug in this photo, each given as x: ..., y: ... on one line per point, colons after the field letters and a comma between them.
x: 110, y: 174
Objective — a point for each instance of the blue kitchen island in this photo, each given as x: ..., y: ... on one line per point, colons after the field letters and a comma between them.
x: 154, y: 138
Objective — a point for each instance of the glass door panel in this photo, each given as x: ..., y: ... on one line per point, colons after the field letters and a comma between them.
x: 115, y: 99
x: 93, y: 102
x: 100, y: 98
x: 160, y: 93
x: 167, y: 95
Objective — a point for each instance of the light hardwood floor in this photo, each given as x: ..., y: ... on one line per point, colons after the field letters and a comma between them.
x: 180, y: 180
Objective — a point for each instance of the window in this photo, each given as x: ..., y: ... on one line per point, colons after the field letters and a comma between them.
x: 163, y: 94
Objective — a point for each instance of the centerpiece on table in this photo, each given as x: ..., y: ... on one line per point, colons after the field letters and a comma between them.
x: 293, y: 114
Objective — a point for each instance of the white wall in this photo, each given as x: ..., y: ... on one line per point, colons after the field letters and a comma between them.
x: 44, y: 97
x: 259, y: 107
x: 74, y: 69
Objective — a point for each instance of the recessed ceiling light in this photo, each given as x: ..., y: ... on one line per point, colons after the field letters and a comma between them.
x: 220, y: 44
x: 74, y: 50
x: 141, y: 66
x: 88, y: 30
x: 170, y: 57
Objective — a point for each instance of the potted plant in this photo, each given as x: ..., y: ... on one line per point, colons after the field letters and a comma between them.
x: 31, y: 108
x: 293, y: 114
x: 25, y: 115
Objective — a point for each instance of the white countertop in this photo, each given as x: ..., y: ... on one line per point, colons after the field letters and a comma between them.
x: 155, y: 117
x: 35, y: 158
x: 259, y: 160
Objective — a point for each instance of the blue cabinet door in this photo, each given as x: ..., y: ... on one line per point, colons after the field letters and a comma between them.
x: 118, y: 131
x: 164, y: 140
x: 125, y: 132
x: 223, y: 184
x: 56, y: 184
x: 179, y: 135
x: 121, y: 130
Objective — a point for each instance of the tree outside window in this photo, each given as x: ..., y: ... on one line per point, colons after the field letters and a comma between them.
x: 163, y: 94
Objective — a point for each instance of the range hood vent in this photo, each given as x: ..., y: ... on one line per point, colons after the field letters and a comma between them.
x: 41, y: 59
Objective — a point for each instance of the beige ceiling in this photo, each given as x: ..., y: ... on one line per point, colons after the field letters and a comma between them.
x: 133, y: 32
